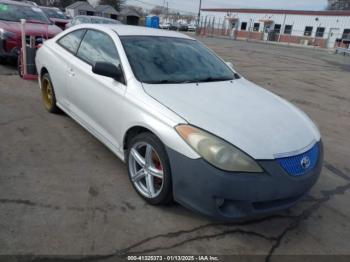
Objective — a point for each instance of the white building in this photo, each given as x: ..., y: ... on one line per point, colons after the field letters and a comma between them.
x: 320, y: 28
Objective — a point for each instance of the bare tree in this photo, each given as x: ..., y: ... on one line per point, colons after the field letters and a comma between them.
x: 137, y: 9
x: 158, y: 10
x: 338, y: 5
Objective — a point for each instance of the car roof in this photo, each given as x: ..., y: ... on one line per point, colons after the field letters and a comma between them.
x: 15, y: 3
x: 129, y: 30
x: 95, y: 17
x: 49, y: 7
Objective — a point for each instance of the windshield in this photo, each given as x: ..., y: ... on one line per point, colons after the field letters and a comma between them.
x: 157, y: 60
x: 53, y: 13
x: 14, y: 13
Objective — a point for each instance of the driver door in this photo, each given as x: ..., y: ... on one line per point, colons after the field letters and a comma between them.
x: 97, y: 101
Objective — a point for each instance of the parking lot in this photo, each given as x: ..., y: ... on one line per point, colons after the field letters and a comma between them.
x: 62, y: 192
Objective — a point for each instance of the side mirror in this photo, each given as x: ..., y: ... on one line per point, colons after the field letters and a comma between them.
x: 230, y: 65
x: 109, y: 70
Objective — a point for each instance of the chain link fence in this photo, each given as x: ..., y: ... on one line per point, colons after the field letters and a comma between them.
x: 264, y: 32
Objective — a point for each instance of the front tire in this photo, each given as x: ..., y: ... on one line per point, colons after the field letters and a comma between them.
x: 149, y: 169
x: 48, y: 94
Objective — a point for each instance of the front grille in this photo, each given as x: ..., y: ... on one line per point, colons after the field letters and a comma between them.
x: 300, y: 164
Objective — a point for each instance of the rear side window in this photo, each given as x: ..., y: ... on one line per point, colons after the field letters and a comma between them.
x: 81, y: 20
x: 98, y: 47
x: 71, y: 41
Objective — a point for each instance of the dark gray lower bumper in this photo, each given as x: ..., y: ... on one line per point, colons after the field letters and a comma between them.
x: 233, y: 196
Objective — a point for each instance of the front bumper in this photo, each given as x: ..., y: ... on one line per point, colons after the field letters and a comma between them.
x: 9, y: 48
x: 229, y: 196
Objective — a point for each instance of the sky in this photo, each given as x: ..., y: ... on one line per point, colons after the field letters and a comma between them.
x: 192, y: 5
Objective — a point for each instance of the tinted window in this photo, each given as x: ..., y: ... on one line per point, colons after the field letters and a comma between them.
x: 103, y: 21
x: 277, y: 28
x: 71, y: 41
x: 346, y: 34
x: 320, y: 31
x: 288, y: 29
x: 81, y: 20
x: 9, y: 12
x: 54, y: 13
x: 256, y: 27
x: 308, y: 30
x: 173, y: 60
x: 244, y: 26
x: 98, y: 47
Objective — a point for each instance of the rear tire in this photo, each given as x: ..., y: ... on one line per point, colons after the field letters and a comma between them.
x: 150, y: 172
x: 48, y: 94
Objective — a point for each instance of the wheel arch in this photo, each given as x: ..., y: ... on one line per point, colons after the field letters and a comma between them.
x: 132, y: 132
x: 168, y: 136
x: 43, y: 70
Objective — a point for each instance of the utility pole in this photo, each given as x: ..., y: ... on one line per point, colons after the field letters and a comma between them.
x: 167, y: 11
x: 199, y: 12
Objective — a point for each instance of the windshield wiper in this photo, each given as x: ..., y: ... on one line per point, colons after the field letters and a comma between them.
x: 214, y: 79
x: 167, y: 81
x: 208, y: 79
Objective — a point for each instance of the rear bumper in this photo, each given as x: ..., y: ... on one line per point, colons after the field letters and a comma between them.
x: 235, y: 196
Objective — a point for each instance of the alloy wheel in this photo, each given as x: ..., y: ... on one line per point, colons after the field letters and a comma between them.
x: 47, y: 93
x: 146, y: 170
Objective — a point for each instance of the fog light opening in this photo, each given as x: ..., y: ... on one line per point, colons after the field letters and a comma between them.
x: 219, y: 201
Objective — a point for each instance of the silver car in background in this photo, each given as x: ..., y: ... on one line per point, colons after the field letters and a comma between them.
x: 87, y: 19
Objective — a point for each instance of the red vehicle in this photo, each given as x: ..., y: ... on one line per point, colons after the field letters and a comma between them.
x: 56, y: 16
x: 37, y: 25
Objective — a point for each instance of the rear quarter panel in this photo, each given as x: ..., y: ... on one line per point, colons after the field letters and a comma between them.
x: 51, y: 57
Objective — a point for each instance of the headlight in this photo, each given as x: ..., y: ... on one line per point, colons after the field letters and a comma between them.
x: 216, y: 151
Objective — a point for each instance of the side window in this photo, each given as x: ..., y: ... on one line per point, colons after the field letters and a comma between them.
x: 256, y: 27
x: 98, y: 47
x: 288, y: 29
x: 346, y: 34
x: 80, y: 20
x: 277, y: 28
x: 71, y: 41
x: 320, y: 31
x: 308, y: 31
x: 76, y: 21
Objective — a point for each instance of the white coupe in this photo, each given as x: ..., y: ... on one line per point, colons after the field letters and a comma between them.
x: 188, y: 126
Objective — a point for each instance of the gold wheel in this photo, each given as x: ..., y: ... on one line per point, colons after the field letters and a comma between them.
x: 47, y: 93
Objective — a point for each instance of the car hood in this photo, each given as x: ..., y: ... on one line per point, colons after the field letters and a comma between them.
x: 31, y: 28
x: 253, y: 119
